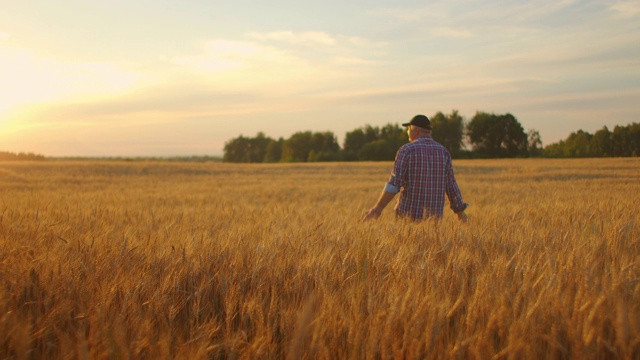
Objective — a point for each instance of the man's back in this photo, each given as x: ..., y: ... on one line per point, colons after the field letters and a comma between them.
x: 424, y: 172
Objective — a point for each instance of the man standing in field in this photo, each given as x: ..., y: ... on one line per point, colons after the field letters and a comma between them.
x: 422, y: 174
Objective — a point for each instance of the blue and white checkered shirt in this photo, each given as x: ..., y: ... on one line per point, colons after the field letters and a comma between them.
x: 423, y: 174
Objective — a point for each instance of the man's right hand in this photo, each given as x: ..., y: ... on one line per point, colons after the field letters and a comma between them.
x: 373, y: 213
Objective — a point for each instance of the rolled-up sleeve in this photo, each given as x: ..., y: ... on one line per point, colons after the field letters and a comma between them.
x: 391, y: 189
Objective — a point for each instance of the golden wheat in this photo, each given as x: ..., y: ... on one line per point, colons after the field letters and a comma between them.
x: 190, y: 260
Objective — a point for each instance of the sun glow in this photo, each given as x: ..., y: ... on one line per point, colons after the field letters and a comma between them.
x: 29, y: 80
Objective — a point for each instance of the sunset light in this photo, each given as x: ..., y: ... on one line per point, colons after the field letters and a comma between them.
x: 212, y: 72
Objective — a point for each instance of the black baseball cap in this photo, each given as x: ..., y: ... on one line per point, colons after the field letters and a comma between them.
x: 420, y: 121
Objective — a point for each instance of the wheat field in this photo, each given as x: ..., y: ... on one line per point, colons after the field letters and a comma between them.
x: 161, y: 260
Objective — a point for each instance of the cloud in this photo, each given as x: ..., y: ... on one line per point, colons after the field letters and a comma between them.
x: 235, y: 65
x: 315, y: 38
x: 221, y: 55
x: 433, y: 11
x: 625, y: 9
x: 461, y: 19
x: 172, y: 103
x: 364, y: 43
x: 219, y: 78
x: 449, y: 32
x: 283, y: 62
x: 306, y: 38
x: 344, y: 60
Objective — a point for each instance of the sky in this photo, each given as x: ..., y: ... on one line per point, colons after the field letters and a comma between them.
x: 182, y: 77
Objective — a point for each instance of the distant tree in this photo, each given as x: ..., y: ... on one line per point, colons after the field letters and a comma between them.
x: 601, y: 143
x: 626, y: 140
x: 497, y: 136
x: 355, y: 140
x: 258, y: 147
x: 273, y: 152
x: 448, y: 130
x: 534, y: 143
x: 578, y: 144
x: 297, y: 147
x: 235, y: 150
x: 395, y: 135
x: 554, y: 150
x: 309, y: 146
x: 325, y: 142
x: 374, y: 143
x: 634, y: 134
x: 6, y: 155
x: 379, y: 150
x: 623, y: 141
x: 324, y: 147
x: 246, y: 150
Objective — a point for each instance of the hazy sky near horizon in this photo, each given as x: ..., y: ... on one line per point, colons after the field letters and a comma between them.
x: 165, y: 78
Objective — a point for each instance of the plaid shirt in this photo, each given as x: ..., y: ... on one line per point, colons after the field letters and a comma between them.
x: 424, y: 174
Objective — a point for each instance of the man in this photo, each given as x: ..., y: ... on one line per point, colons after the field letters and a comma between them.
x: 422, y: 174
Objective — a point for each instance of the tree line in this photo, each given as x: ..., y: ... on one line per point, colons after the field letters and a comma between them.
x: 486, y: 135
x: 623, y: 141
x: 490, y: 135
x: 6, y: 155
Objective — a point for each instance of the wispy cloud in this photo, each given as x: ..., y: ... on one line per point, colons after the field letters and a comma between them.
x: 241, y: 64
x: 450, y: 32
x: 221, y: 55
x: 459, y: 19
x: 261, y: 74
x: 435, y: 10
x: 305, y: 38
x: 625, y: 8
x: 282, y: 58
x: 321, y: 39
x: 364, y: 43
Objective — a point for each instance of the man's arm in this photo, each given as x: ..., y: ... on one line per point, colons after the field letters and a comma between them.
x: 385, y: 198
x: 390, y: 190
x: 453, y: 193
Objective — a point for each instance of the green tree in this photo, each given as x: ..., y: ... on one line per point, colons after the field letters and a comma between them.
x: 396, y: 136
x: 374, y: 143
x: 355, y: 140
x: 554, y: 150
x: 497, y: 136
x: 258, y: 147
x: 578, y: 144
x: 309, y: 146
x: 601, y: 144
x: 273, y: 152
x: 379, y: 150
x: 6, y: 155
x: 325, y: 147
x: 634, y: 134
x: 235, y: 150
x: 623, y: 141
x: 245, y: 149
x: 626, y: 140
x: 297, y: 147
x: 534, y: 143
x: 448, y: 130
